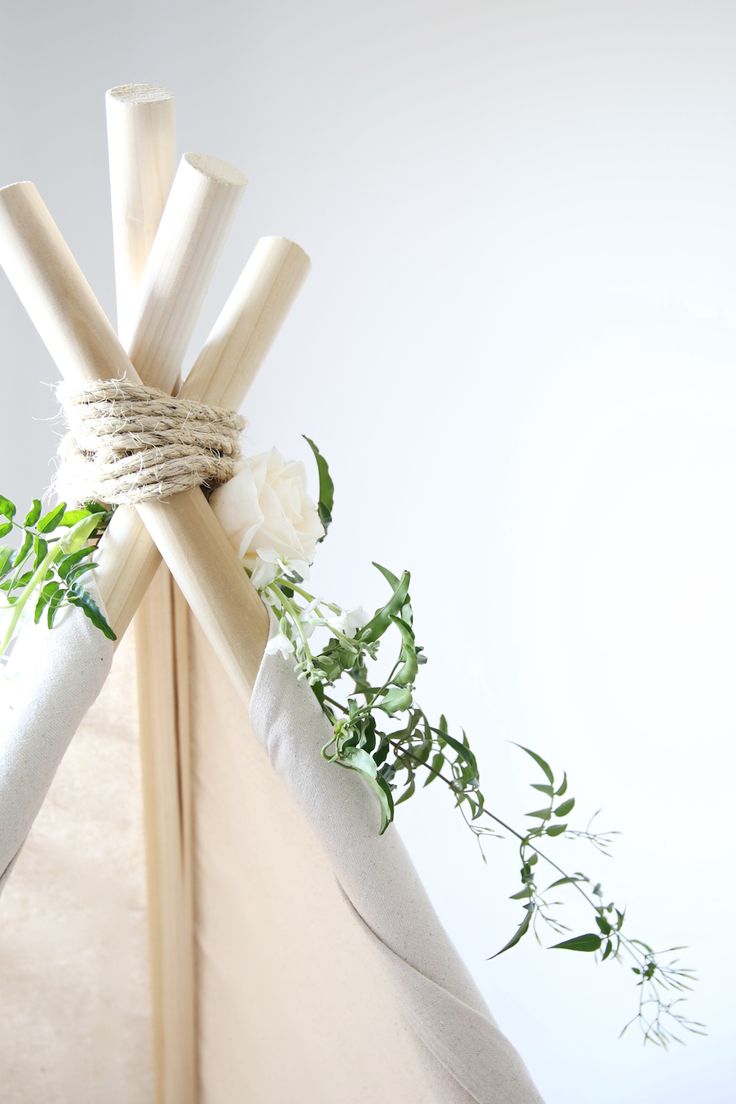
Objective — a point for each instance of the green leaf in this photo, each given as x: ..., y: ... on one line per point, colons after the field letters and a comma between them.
x: 7, y: 508
x: 34, y: 513
x: 78, y: 570
x: 66, y: 563
x: 24, y: 551
x: 539, y: 761
x: 565, y: 808
x: 519, y: 934
x: 49, y: 521
x: 381, y: 619
x: 79, y: 533
x: 542, y: 814
x: 47, y: 593
x: 72, y: 517
x: 556, y: 829
x: 55, y: 605
x: 40, y: 548
x: 358, y: 760
x: 395, y: 700
x: 326, y: 488
x: 391, y: 579
x: 543, y: 787
x: 462, y: 750
x: 386, y: 803
x: 563, y: 786
x: 588, y: 942
x: 408, y: 792
x: 84, y: 601
x: 603, y: 925
x: 568, y: 880
x: 6, y: 562
x: 408, y: 671
x: 438, y: 761
x: 5, y: 528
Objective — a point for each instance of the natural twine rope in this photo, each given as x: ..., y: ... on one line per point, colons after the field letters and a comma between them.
x: 129, y: 443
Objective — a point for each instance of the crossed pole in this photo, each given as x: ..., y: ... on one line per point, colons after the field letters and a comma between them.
x: 168, y: 231
x: 85, y: 348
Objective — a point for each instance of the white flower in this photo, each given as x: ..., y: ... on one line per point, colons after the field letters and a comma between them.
x: 350, y: 621
x: 266, y: 511
x: 280, y: 645
x: 266, y: 568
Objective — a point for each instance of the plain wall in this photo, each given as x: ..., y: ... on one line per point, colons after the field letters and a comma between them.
x: 517, y: 350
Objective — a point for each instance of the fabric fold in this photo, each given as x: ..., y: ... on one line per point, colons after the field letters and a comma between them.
x: 472, y: 1060
x: 265, y: 864
x: 50, y: 682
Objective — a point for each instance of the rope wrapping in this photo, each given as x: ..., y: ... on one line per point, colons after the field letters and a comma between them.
x: 129, y: 443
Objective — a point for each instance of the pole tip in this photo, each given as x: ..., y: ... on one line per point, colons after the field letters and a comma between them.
x: 134, y: 94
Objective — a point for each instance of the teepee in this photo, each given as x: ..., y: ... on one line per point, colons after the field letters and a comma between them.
x: 196, y: 908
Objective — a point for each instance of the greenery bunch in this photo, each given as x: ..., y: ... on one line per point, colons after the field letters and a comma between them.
x: 46, y: 570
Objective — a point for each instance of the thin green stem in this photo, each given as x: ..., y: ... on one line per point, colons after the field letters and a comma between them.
x: 38, y: 575
x: 293, y: 612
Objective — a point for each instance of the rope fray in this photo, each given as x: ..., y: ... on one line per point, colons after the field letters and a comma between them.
x: 128, y: 443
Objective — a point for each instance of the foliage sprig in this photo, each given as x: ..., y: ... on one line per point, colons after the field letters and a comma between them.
x: 380, y: 731
x: 47, y: 567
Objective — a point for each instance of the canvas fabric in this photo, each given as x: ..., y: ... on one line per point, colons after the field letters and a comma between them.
x: 323, y: 973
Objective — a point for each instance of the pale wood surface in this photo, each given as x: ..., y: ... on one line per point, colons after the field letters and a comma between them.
x: 81, y: 340
x: 222, y: 374
x: 193, y: 229
x: 141, y: 151
x: 248, y: 323
x: 164, y: 733
x: 141, y: 143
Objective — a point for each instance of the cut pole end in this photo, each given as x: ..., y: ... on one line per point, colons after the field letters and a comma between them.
x: 133, y: 94
x: 17, y: 185
x: 273, y: 241
x: 221, y: 172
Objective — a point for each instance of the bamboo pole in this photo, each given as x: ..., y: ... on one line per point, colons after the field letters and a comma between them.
x: 80, y: 339
x: 141, y: 151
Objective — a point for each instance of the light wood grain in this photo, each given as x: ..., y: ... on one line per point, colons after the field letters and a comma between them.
x: 223, y: 372
x: 248, y: 324
x: 194, y: 226
x: 141, y: 143
x: 83, y: 344
x: 141, y: 151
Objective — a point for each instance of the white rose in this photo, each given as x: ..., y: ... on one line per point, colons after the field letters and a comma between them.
x: 267, y: 513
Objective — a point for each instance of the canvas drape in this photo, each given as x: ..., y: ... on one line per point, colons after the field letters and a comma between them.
x: 323, y: 973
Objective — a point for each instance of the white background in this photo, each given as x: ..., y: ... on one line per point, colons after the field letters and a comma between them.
x: 517, y: 349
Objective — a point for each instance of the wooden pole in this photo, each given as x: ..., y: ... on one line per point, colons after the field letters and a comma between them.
x: 141, y: 149
x: 141, y: 141
x: 83, y: 344
x: 222, y: 374
x: 248, y: 323
x: 193, y: 229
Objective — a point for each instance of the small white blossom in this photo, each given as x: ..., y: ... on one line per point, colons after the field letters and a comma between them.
x: 266, y: 568
x: 350, y: 621
x: 280, y: 645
